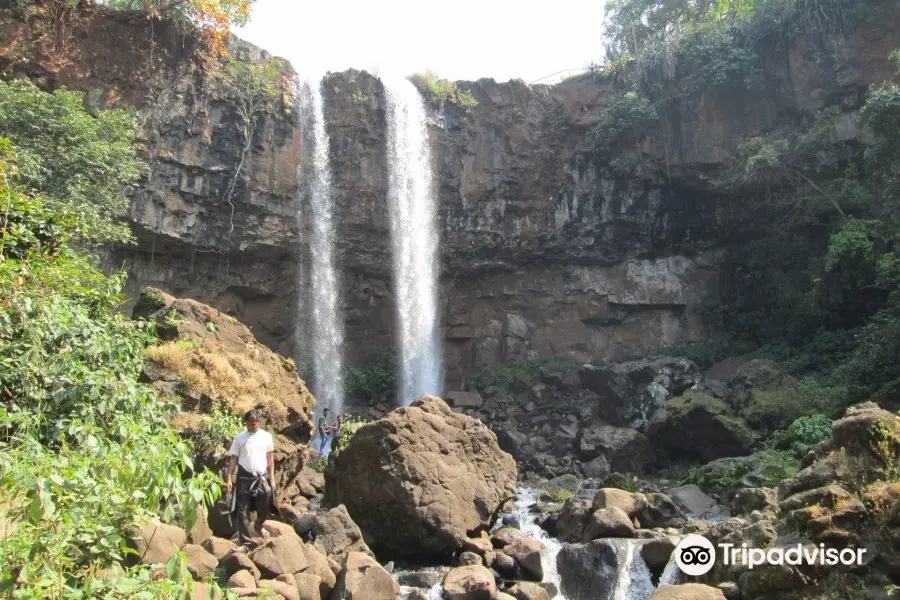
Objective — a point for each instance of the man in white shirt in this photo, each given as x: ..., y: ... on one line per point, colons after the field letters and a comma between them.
x: 251, y: 453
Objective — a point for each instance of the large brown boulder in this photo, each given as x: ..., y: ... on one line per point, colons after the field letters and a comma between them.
x: 362, y: 578
x: 469, y: 583
x: 157, y: 543
x: 205, y: 356
x: 423, y: 478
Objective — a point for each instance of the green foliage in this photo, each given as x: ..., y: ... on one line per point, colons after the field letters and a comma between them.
x: 86, y: 449
x: 347, y: 431
x: 374, y: 378
x: 79, y: 162
x: 777, y: 406
x: 319, y: 465
x: 763, y: 469
x: 627, y: 112
x: 801, y: 435
x: 556, y: 495
x: 441, y: 92
x: 217, y: 429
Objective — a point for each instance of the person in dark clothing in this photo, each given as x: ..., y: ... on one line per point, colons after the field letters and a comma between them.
x: 251, y: 453
x: 324, y: 431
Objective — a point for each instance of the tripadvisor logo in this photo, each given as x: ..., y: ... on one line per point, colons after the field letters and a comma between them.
x: 695, y: 555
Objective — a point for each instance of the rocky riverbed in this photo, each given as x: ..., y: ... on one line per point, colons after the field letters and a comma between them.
x: 426, y: 502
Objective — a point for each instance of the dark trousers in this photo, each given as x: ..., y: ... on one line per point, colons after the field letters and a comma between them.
x: 245, y: 502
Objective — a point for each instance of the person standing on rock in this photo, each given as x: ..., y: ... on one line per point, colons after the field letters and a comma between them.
x: 251, y: 453
x: 324, y: 430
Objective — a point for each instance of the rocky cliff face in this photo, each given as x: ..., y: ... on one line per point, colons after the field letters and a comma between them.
x: 545, y: 248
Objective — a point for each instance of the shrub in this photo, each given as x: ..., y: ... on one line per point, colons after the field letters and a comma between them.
x: 347, y: 431
x: 86, y: 450
x: 80, y: 163
x: 374, y: 378
x: 441, y: 92
x: 801, y: 435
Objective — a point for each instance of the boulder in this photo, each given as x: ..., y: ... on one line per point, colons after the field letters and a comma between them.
x: 241, y: 579
x: 597, y: 468
x: 608, y: 523
x: 277, y: 528
x: 200, y: 531
x: 468, y: 558
x: 630, y: 503
x: 157, y: 543
x: 696, y: 426
x: 572, y: 519
x: 285, y: 590
x: 527, y: 552
x: 747, y: 500
x: 362, y: 578
x: 688, y: 591
x: 200, y: 562
x: 218, y: 547
x: 335, y: 533
x: 588, y: 570
x: 324, y: 570
x: 626, y: 450
x: 692, y: 499
x: 630, y: 392
x: 524, y: 590
x: 308, y: 586
x: 203, y: 591
x: 283, y: 555
x: 859, y: 429
x: 656, y: 552
x: 228, y: 363
x: 513, y: 442
x: 469, y: 583
x: 238, y: 561
x: 420, y: 479
x: 661, y: 511
x: 506, y: 566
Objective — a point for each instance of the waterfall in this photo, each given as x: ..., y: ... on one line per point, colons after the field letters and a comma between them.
x: 634, y: 581
x: 526, y: 499
x: 414, y: 235
x: 323, y: 284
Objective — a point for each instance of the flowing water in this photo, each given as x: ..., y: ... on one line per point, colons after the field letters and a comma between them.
x: 326, y: 336
x: 414, y: 236
x: 633, y: 579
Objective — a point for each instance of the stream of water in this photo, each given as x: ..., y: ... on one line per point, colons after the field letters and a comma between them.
x: 323, y: 285
x: 414, y: 236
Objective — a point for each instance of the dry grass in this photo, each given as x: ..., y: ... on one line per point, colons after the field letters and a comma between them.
x: 817, y: 511
x: 845, y: 504
x: 236, y: 379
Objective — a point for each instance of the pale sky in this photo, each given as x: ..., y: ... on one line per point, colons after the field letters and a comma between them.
x: 462, y: 39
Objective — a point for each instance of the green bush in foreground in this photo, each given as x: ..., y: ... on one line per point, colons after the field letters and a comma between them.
x: 86, y: 450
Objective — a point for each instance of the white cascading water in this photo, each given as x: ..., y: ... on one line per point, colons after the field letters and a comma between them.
x: 525, y: 499
x: 323, y: 284
x: 634, y: 581
x: 414, y: 235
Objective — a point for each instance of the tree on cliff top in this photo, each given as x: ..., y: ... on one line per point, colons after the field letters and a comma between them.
x: 213, y: 18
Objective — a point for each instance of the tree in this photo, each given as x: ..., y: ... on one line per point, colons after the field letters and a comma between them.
x: 213, y: 18
x: 81, y: 164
